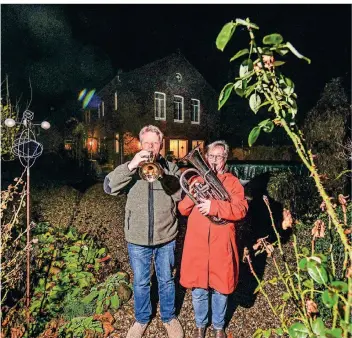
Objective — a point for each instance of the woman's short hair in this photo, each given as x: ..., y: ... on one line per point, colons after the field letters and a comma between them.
x: 220, y: 143
x: 152, y: 129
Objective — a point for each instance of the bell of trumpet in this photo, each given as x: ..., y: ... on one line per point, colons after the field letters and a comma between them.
x: 150, y: 170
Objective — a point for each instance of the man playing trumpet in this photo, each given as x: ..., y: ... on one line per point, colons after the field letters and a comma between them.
x: 210, y: 262
x: 150, y: 227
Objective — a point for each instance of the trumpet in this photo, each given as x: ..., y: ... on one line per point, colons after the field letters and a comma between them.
x: 203, y: 183
x: 150, y: 170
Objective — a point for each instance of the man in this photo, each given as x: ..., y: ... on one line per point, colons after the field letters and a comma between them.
x: 210, y: 262
x: 150, y: 230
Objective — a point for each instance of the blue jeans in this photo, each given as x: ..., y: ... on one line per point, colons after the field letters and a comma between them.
x: 200, y: 300
x: 164, y: 261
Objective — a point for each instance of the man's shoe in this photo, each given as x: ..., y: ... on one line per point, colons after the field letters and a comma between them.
x: 199, y: 332
x: 220, y: 333
x: 174, y: 329
x: 136, y: 330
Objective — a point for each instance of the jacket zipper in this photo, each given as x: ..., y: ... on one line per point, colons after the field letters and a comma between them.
x: 150, y: 213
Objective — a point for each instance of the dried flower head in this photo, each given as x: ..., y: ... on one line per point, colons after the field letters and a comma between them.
x: 263, y: 245
x: 323, y: 206
x: 311, y: 307
x: 245, y: 255
x: 318, y: 230
x: 287, y: 219
x: 343, y: 199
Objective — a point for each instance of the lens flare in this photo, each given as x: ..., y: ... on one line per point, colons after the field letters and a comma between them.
x: 88, y: 98
x: 82, y: 94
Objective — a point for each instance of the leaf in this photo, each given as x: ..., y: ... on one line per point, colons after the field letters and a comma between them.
x: 254, y: 102
x: 318, y: 327
x: 238, y: 86
x: 317, y: 272
x: 329, y: 298
x: 239, y: 54
x: 308, y: 283
x: 225, y: 35
x: 295, y: 52
x: 273, y: 39
x: 89, y: 298
x: 267, y: 333
x: 115, y: 301
x: 246, y: 67
x: 279, y: 63
x: 253, y: 135
x: 224, y: 95
x: 258, y: 333
x: 334, y: 333
x: 298, y: 330
x: 279, y: 331
x: 340, y: 286
x: 286, y: 296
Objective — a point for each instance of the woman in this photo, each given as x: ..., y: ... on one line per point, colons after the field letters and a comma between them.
x: 210, y: 262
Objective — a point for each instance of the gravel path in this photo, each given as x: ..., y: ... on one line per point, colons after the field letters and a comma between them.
x: 102, y: 216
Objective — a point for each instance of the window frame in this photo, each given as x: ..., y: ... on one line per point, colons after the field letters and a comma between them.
x: 162, y: 109
x: 193, y: 111
x: 182, y: 108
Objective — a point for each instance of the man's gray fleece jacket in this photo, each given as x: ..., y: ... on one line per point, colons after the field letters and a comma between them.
x: 150, y: 217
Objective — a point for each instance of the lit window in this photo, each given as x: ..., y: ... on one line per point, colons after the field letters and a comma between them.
x: 178, y: 148
x: 102, y: 108
x: 115, y: 101
x: 178, y: 108
x: 195, y: 112
x: 160, y: 106
x: 196, y: 143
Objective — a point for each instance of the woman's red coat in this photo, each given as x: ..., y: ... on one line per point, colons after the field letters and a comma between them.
x: 210, y: 257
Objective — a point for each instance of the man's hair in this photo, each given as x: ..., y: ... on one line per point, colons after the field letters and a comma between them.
x: 220, y: 143
x: 152, y: 129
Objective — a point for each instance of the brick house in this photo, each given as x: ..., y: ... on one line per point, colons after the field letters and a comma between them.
x: 169, y: 93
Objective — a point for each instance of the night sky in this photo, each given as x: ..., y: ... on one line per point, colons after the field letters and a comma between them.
x: 65, y: 48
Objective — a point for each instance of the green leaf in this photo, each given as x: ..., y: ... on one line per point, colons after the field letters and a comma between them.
x: 318, y: 327
x: 340, y: 286
x: 295, y: 52
x: 329, y: 298
x: 334, y: 333
x: 298, y: 330
x: 89, y: 298
x: 279, y: 63
x: 246, y: 67
x: 267, y: 333
x: 269, y: 126
x: 308, y: 283
x: 279, y: 331
x: 273, y: 39
x: 101, y: 251
x: 286, y: 296
x: 258, y: 333
x: 225, y: 35
x: 317, y: 272
x: 254, y: 102
x: 224, y: 95
x: 239, y: 88
x: 239, y: 54
x: 115, y: 301
x: 253, y: 135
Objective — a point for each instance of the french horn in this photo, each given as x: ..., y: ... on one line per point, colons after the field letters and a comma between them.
x: 202, y: 182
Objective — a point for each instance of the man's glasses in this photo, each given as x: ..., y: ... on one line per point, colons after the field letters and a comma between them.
x: 216, y: 157
x: 148, y: 144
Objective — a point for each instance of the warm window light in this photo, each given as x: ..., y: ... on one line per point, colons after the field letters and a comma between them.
x: 10, y: 123
x: 45, y: 125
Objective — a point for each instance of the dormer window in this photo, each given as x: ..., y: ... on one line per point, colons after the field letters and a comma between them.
x: 160, y: 106
x: 178, y: 108
x: 115, y: 101
x: 195, y: 111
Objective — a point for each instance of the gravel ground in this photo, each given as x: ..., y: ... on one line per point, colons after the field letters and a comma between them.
x: 102, y: 216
